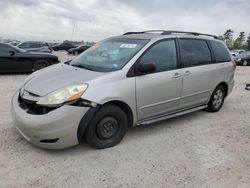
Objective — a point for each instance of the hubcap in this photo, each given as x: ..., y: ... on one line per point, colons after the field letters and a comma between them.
x: 217, y: 99
x: 107, y: 128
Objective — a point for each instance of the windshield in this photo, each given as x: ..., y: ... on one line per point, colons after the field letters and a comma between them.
x: 109, y: 55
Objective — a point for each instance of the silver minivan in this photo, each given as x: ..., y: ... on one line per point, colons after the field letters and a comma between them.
x: 134, y: 79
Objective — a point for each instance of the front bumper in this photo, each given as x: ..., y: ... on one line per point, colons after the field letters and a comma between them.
x: 61, y: 123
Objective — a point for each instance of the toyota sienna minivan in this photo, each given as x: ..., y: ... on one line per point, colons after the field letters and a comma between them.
x: 134, y: 79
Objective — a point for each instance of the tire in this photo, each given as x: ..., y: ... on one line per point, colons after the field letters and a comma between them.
x: 76, y: 53
x: 245, y: 63
x: 217, y: 99
x: 39, y: 64
x: 107, y: 127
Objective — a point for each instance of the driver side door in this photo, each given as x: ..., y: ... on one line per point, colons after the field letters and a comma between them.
x: 159, y: 92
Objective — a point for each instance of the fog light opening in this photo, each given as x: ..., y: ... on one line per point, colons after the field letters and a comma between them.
x: 49, y: 141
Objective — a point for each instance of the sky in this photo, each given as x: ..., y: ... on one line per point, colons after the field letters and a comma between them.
x: 94, y: 20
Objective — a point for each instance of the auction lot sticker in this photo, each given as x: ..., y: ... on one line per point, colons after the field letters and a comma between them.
x: 128, y: 45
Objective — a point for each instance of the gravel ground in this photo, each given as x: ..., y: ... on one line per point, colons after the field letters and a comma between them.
x: 196, y: 150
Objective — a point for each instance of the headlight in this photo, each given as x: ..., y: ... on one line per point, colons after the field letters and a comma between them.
x: 66, y: 94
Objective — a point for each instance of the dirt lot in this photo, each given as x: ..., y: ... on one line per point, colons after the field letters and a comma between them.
x: 196, y: 150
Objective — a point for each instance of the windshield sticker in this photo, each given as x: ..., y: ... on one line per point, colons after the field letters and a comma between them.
x: 115, y: 65
x: 128, y: 45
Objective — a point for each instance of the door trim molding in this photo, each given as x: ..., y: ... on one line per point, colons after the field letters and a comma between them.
x: 159, y: 103
x: 197, y: 93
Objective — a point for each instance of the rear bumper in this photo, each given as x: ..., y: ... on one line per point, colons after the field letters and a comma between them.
x: 59, y: 125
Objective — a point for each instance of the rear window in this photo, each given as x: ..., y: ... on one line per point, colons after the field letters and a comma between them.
x: 194, y: 52
x: 220, y: 52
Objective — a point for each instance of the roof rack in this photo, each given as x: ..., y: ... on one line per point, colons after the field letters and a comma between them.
x: 168, y: 32
x: 190, y: 33
x: 142, y: 32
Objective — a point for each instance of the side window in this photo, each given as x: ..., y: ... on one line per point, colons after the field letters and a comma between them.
x: 24, y: 45
x: 39, y: 45
x: 220, y: 52
x: 194, y: 52
x: 162, y: 55
x: 33, y: 45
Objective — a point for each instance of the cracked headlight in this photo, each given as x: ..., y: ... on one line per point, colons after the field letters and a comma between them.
x: 66, y: 94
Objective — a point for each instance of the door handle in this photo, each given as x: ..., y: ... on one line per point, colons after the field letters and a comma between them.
x: 177, y: 75
x: 187, y: 72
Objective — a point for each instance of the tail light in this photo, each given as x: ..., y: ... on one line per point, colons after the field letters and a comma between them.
x: 234, y: 64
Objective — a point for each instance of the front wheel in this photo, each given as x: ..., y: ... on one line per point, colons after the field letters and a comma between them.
x: 217, y: 99
x: 107, y: 127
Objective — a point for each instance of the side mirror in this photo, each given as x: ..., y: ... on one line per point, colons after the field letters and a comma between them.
x: 12, y: 53
x: 146, y: 68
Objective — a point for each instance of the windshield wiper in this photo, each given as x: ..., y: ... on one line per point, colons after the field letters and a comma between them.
x: 81, y: 66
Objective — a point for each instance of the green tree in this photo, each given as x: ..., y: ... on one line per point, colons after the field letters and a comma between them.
x: 238, y: 43
x: 248, y: 42
x: 228, y: 38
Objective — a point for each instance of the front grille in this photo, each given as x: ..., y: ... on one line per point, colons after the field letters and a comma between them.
x: 33, y: 108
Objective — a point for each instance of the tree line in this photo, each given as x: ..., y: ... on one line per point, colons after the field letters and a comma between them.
x: 241, y: 42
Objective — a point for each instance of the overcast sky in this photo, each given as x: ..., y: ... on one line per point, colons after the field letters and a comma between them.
x: 53, y: 20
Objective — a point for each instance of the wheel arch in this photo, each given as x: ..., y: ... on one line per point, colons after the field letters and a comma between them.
x: 91, y: 112
x: 225, y: 85
x: 126, y: 108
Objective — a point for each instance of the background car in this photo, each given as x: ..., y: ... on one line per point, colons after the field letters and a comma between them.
x: 63, y: 46
x: 14, y: 43
x: 78, y: 50
x: 243, y: 58
x: 14, y: 59
x: 34, y: 46
x: 237, y: 52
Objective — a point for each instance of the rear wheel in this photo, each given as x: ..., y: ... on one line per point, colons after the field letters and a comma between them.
x: 217, y: 99
x: 107, y: 127
x: 244, y: 63
x: 39, y: 64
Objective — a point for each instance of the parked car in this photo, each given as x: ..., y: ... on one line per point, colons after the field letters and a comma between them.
x: 63, y: 46
x: 134, y: 79
x: 243, y: 58
x: 237, y: 52
x: 14, y: 59
x: 14, y: 43
x: 78, y: 50
x: 34, y: 46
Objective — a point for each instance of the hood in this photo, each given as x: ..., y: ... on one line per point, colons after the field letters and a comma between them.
x: 58, y: 76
